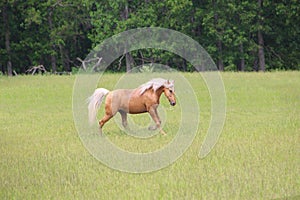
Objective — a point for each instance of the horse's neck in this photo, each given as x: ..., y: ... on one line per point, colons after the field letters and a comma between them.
x: 159, y: 91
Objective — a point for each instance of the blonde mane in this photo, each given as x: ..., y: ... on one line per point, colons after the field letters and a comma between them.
x: 155, y: 84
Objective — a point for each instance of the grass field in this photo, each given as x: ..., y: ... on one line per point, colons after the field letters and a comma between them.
x: 257, y: 155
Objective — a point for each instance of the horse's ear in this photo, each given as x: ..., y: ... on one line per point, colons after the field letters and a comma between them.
x: 168, y: 82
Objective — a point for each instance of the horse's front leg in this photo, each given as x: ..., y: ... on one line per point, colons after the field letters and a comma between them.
x: 154, y: 115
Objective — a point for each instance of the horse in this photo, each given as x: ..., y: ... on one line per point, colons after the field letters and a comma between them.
x: 143, y: 99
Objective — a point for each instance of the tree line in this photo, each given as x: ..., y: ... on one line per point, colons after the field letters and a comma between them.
x: 239, y: 35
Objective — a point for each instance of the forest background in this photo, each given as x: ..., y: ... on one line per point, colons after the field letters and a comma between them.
x: 261, y: 35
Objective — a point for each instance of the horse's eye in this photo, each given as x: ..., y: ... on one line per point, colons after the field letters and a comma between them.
x: 170, y: 91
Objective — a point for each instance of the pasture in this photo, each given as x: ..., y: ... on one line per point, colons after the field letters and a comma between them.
x: 257, y: 155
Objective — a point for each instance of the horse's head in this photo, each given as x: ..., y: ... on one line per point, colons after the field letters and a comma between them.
x: 169, y: 92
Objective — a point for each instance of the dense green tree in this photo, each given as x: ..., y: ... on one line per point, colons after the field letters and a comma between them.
x: 239, y: 35
x: 8, y: 27
x: 282, y: 40
x: 45, y: 33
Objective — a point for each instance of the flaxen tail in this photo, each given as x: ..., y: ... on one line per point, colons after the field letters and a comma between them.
x: 95, y: 101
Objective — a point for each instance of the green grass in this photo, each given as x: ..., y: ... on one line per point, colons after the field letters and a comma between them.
x: 256, y: 157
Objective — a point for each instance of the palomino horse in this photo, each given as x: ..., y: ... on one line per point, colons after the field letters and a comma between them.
x: 143, y: 99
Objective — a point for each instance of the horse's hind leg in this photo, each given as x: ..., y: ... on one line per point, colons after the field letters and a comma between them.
x: 108, y: 115
x: 124, y: 118
x: 105, y: 119
x: 110, y: 111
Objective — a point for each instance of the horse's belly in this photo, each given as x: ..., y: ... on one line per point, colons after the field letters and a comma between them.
x: 132, y: 107
x: 130, y: 102
x: 137, y: 108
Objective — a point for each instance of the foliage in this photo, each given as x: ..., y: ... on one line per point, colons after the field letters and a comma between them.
x: 41, y: 29
x: 54, y: 33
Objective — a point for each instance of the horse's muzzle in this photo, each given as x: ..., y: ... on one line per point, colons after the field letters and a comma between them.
x: 172, y: 103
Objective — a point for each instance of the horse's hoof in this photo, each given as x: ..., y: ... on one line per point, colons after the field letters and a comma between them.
x: 152, y: 128
x: 100, y: 132
x: 163, y: 132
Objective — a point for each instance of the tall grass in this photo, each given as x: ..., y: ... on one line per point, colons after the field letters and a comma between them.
x: 256, y: 157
